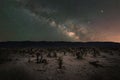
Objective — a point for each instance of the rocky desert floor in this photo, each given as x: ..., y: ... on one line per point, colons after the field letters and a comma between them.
x: 106, y: 66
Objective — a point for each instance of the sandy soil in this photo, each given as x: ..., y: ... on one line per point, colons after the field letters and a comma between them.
x: 19, y: 68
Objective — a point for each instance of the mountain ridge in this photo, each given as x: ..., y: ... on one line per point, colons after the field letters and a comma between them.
x: 57, y: 44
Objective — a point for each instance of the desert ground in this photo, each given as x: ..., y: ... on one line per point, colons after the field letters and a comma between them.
x: 77, y: 63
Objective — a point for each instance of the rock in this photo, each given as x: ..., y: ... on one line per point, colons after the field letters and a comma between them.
x: 96, y: 64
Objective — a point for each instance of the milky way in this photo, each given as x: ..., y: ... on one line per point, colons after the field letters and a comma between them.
x: 60, y: 20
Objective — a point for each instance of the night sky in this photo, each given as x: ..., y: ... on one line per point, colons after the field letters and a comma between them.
x: 60, y: 20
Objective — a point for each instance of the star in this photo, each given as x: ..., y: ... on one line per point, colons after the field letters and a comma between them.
x: 101, y: 11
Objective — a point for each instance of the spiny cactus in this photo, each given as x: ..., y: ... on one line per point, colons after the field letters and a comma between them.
x: 79, y: 55
x: 37, y: 57
x: 60, y: 62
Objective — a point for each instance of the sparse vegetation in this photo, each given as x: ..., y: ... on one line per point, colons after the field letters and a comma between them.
x: 60, y: 62
x: 77, y: 62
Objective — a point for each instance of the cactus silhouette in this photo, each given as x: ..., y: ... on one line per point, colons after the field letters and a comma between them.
x: 60, y: 62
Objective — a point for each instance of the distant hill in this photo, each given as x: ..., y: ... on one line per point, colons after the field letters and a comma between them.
x: 57, y: 44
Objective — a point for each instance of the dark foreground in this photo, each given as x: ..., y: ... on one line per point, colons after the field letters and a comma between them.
x: 64, y: 63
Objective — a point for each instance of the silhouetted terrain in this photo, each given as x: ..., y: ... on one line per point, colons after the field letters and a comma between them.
x: 57, y: 44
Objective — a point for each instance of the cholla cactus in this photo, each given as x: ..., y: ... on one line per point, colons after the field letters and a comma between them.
x: 96, y: 52
x: 37, y: 57
x: 49, y: 54
x: 29, y: 58
x: 54, y: 54
x: 79, y: 55
x: 60, y: 62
